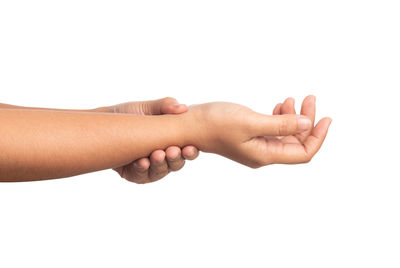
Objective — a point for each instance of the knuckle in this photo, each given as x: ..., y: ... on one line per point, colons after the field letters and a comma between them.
x: 179, y: 166
x: 254, y: 166
x: 257, y: 163
x: 158, y: 174
x: 283, y: 128
x: 145, y: 108
x: 140, y: 181
x: 169, y: 99
x: 136, y: 180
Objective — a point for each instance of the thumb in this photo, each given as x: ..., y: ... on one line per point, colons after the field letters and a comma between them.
x: 280, y: 125
x: 166, y: 105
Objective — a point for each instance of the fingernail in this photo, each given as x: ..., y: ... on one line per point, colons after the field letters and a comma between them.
x: 303, y: 124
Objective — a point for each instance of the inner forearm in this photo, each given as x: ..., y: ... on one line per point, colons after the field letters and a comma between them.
x: 42, y: 144
x: 105, y: 109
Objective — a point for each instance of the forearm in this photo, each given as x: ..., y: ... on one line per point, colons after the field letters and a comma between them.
x: 104, y: 109
x: 42, y: 144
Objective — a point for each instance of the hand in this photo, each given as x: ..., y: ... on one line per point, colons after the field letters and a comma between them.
x: 159, y: 163
x: 256, y: 140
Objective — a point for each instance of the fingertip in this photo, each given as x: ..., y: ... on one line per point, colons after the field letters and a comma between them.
x: 190, y: 152
x: 290, y: 100
x: 143, y: 163
x: 173, y: 152
x: 172, y: 106
x: 182, y: 108
x: 288, y: 106
x: 308, y: 107
x: 312, y: 97
x: 329, y: 121
x: 157, y: 156
x: 177, y: 108
x: 321, y: 128
x: 309, y: 99
x: 277, y: 109
x: 326, y: 120
x: 195, y: 153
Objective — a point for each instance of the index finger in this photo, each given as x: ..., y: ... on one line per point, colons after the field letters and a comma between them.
x: 314, y: 142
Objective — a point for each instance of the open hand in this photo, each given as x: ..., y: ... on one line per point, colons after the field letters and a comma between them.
x: 255, y: 139
x: 159, y: 163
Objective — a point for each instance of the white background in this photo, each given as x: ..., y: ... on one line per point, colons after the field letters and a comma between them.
x: 340, y: 210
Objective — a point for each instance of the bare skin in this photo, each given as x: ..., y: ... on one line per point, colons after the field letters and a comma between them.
x: 160, y: 162
x: 43, y: 144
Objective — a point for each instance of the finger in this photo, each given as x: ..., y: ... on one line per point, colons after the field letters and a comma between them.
x: 173, y: 108
x: 166, y: 105
x: 143, y: 163
x: 308, y: 107
x: 190, y: 152
x: 158, y: 165
x: 288, y: 106
x: 277, y: 109
x: 138, y: 171
x: 174, y: 158
x: 314, y: 142
x: 295, y: 153
x: 277, y: 125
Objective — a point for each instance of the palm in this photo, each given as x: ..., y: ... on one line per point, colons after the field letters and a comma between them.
x: 289, y: 145
x: 293, y: 148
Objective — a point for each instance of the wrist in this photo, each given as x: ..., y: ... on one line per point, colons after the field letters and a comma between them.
x: 196, y: 129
